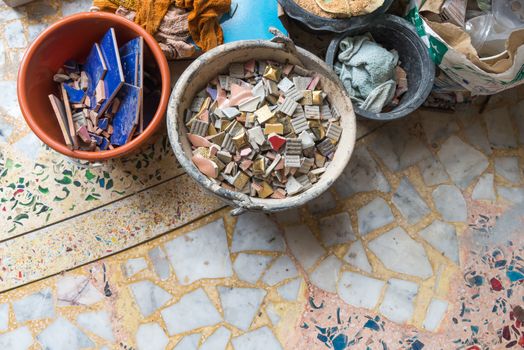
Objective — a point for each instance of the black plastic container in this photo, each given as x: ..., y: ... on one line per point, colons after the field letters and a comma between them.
x: 335, y: 25
x: 393, y: 32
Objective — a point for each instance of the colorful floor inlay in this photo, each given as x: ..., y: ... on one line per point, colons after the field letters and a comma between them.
x: 419, y: 245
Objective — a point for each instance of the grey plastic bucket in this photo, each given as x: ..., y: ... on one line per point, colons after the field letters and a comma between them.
x: 216, y: 61
x: 393, y: 32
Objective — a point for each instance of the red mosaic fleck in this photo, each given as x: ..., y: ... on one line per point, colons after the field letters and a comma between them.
x: 496, y: 285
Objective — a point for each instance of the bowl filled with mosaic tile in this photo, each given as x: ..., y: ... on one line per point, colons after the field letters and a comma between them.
x: 94, y: 86
x: 263, y: 125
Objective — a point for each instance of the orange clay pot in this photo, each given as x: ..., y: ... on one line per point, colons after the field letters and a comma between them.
x: 72, y: 38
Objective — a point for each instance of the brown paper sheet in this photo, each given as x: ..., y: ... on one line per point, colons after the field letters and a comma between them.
x: 460, y: 41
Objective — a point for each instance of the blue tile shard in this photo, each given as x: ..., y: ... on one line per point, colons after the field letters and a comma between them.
x: 96, y: 69
x: 114, y: 78
x: 75, y: 96
x: 135, y: 48
x: 124, y: 121
x: 130, y: 68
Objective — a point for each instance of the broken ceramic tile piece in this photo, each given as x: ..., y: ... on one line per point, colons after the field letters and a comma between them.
x: 334, y: 132
x: 273, y: 128
x: 300, y: 124
x: 264, y: 114
x: 199, y: 127
x: 292, y: 161
x: 285, y: 84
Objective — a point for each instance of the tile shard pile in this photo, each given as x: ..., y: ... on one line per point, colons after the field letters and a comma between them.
x: 265, y: 129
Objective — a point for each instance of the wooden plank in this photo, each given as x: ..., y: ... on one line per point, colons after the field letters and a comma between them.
x: 58, y: 108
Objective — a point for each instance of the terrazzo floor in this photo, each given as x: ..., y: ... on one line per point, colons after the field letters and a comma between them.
x: 419, y: 245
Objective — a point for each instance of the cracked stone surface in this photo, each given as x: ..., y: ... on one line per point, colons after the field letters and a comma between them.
x: 359, y: 290
x: 240, y: 305
x: 324, y: 203
x: 304, y: 246
x: 374, y: 215
x: 484, y: 189
x: 409, y: 202
x: 508, y: 168
x: 500, y: 129
x: 194, y: 310
x: 149, y: 297
x: 398, y: 300
x: 325, y: 276
x: 462, y: 162
x: 450, y: 203
x: 443, y: 237
x: 336, y: 229
x: 435, y: 314
x: 36, y: 306
x: 200, y: 254
x: 513, y: 195
x: 281, y: 269
x: 361, y: 175
x: 151, y: 336
x: 397, y: 149
x: 433, y: 171
x: 439, y: 128
x: 477, y: 136
x: 250, y: 267
x: 289, y: 291
x: 400, y: 253
x: 356, y: 256
x: 255, y: 231
x: 137, y: 230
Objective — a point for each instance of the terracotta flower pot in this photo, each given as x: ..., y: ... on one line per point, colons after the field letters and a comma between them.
x: 72, y: 38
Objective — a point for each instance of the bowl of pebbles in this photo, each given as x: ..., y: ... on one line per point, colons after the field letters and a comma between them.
x: 264, y: 125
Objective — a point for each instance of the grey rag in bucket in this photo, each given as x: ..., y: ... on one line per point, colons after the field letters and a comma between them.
x: 367, y: 70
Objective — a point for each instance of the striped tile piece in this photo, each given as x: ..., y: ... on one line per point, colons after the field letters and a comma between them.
x: 333, y: 132
x: 196, y: 104
x: 335, y: 113
x: 228, y: 143
x: 292, y: 161
x: 199, y: 127
x: 288, y: 107
x: 294, y: 94
x: 306, y: 165
x: 299, y: 112
x: 293, y: 147
x: 305, y: 182
x: 312, y: 112
x: 325, y: 112
x: 326, y: 147
x: 299, y: 124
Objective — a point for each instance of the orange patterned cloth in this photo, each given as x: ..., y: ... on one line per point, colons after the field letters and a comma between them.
x: 203, y: 18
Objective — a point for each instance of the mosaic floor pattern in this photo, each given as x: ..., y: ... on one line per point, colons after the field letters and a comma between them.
x: 419, y: 245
